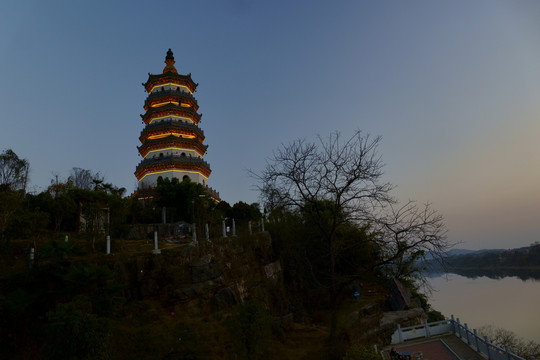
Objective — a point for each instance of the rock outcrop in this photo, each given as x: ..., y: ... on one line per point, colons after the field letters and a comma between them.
x: 205, y: 278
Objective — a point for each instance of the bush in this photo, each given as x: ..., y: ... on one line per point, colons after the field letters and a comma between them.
x: 75, y: 333
x: 363, y: 352
x: 249, y: 325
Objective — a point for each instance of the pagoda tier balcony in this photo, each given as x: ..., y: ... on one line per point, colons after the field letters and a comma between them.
x: 171, y: 110
x: 150, y: 193
x: 177, y: 91
x: 160, y: 79
x: 174, y: 97
x: 172, y: 162
x: 183, y: 129
x: 171, y: 142
x: 183, y: 98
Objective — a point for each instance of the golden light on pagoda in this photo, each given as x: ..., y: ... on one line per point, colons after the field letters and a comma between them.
x: 170, y: 84
x: 172, y: 143
x: 177, y: 134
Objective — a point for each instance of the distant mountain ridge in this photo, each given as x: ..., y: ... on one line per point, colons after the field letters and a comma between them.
x: 459, y: 252
x: 523, y: 262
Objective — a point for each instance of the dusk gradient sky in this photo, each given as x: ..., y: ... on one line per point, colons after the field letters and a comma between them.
x: 453, y: 87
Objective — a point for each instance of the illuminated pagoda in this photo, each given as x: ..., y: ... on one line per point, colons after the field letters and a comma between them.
x: 171, y: 141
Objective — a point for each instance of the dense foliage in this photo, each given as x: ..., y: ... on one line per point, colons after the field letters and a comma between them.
x: 328, y: 243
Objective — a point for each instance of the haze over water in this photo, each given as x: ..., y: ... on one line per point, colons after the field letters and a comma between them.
x: 509, y: 303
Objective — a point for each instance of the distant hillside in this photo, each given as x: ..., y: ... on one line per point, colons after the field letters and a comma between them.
x: 460, y: 252
x: 521, y: 262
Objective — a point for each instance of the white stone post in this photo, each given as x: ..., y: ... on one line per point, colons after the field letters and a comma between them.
x: 262, y: 225
x: 207, y: 232
x: 31, y: 257
x: 108, y: 244
x: 249, y: 227
x: 223, y: 229
x: 156, y: 250
x: 233, y: 228
x: 194, y: 236
x: 476, y: 340
x: 487, y: 347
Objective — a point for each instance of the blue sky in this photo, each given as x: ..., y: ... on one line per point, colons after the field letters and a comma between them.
x: 453, y: 87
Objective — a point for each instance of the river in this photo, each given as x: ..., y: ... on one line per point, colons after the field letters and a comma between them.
x: 509, y: 302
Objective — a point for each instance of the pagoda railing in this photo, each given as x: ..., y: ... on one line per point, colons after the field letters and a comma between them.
x: 172, y: 158
x: 160, y: 93
x: 188, y: 110
x: 171, y: 139
x: 165, y: 123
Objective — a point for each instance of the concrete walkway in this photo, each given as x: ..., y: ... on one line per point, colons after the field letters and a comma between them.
x: 444, y: 347
x: 460, y: 348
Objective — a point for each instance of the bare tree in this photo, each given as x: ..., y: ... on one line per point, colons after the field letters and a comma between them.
x: 346, y: 173
x: 340, y: 182
x: 13, y: 171
x: 84, y: 179
x: 408, y: 234
x: 506, y: 338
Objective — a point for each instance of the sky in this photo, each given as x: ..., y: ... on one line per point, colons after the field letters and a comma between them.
x: 453, y: 88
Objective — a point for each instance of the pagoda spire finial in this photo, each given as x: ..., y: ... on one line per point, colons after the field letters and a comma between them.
x: 169, y: 61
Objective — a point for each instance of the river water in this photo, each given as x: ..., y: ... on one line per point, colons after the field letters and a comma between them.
x: 509, y: 302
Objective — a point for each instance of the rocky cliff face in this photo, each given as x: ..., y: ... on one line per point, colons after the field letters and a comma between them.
x: 205, y: 278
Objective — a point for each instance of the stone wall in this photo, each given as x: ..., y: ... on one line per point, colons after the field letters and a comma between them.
x: 206, y: 278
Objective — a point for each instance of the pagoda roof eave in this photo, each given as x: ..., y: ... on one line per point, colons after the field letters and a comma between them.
x: 161, y: 78
x: 172, y: 108
x: 172, y: 163
x: 169, y: 125
x: 172, y: 141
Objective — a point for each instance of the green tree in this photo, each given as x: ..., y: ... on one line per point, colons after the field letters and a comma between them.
x: 10, y: 203
x: 13, y: 171
x: 185, y: 200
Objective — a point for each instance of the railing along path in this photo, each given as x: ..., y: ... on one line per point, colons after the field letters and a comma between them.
x: 471, y: 337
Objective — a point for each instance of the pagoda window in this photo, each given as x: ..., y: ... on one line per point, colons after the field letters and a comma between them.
x: 160, y: 154
x: 185, y: 178
x: 183, y: 154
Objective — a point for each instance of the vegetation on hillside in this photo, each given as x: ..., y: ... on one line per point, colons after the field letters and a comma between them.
x: 334, y: 225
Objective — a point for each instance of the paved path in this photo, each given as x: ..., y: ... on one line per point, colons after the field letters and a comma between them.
x: 446, y: 347
x: 464, y: 351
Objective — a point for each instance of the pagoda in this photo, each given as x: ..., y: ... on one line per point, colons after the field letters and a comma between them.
x: 171, y: 141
